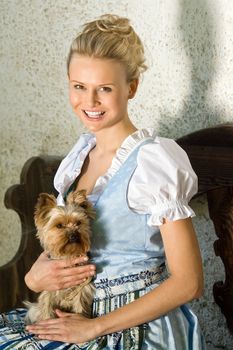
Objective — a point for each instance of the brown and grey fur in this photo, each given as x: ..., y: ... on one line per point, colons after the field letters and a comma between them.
x: 64, y: 233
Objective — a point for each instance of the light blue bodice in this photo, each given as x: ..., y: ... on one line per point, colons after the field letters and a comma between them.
x: 122, y: 242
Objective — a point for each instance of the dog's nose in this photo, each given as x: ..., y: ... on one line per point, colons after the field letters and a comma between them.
x: 73, y: 238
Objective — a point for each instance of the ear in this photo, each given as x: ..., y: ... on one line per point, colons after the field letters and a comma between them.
x: 44, y: 204
x: 133, y: 86
x: 79, y: 198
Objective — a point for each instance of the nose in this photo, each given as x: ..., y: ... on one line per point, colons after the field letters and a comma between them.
x: 73, y: 238
x: 92, y: 98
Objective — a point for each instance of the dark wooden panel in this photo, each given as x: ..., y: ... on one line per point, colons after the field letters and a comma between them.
x: 211, y: 155
x: 36, y: 177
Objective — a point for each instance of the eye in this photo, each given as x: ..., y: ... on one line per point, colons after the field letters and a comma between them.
x: 59, y: 225
x: 105, y: 89
x: 79, y: 87
x: 78, y: 222
x: 84, y: 205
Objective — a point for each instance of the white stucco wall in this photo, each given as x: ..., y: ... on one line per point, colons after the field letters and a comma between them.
x: 188, y: 86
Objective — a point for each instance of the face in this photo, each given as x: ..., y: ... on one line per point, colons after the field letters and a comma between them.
x: 99, y: 92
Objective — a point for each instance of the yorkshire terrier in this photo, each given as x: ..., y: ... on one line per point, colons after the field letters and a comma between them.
x: 64, y: 233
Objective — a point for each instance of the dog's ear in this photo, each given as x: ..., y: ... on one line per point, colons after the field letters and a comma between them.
x: 89, y: 210
x: 79, y: 198
x: 44, y: 204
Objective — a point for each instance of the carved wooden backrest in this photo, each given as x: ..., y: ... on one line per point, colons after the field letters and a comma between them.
x: 211, y: 154
x: 36, y: 177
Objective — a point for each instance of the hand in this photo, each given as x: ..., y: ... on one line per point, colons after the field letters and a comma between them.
x: 68, y: 327
x: 50, y: 275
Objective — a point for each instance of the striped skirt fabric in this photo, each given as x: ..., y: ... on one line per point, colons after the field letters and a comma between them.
x: 160, y: 334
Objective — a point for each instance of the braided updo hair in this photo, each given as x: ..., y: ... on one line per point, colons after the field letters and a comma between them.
x: 111, y: 37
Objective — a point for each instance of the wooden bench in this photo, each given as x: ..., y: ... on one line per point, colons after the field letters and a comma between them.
x: 211, y: 154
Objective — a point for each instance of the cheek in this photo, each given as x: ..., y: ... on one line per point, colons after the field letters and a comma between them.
x: 117, y: 101
x: 122, y: 102
x: 74, y: 99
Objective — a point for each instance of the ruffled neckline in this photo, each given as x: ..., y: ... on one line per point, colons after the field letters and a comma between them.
x: 71, y: 166
x: 123, y: 152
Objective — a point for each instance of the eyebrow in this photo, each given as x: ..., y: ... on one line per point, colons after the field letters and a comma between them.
x: 79, y: 82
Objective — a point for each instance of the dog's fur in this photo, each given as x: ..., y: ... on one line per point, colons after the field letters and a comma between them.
x: 64, y: 232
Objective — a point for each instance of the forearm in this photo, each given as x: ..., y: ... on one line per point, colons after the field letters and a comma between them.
x: 169, y: 295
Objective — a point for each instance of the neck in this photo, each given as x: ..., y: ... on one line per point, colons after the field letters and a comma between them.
x: 109, y: 140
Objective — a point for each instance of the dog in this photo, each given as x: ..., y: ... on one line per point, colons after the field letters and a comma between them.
x: 64, y: 233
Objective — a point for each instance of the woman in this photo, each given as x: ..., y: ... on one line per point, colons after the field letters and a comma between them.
x: 140, y: 185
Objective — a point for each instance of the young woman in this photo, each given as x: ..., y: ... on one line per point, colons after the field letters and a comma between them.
x: 145, y: 255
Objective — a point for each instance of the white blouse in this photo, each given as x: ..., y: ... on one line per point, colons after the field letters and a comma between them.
x: 161, y: 186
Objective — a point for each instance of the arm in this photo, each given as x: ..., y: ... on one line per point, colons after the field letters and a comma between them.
x: 47, y: 274
x: 184, y: 284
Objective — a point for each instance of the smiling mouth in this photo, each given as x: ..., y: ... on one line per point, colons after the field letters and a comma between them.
x: 94, y: 115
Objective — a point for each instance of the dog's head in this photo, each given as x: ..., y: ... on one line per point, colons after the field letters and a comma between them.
x: 64, y: 231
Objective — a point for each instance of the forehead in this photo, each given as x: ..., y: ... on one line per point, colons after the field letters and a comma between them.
x: 85, y: 69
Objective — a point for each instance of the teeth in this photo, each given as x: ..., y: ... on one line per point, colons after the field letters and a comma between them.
x: 94, y: 114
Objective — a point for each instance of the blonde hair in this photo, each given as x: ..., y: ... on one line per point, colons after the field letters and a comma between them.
x: 111, y: 37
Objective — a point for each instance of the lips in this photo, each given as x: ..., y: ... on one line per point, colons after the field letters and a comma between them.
x: 94, y: 114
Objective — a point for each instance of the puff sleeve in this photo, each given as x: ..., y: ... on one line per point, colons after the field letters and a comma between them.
x: 163, y: 182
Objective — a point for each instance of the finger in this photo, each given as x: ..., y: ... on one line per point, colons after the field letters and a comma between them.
x: 79, y: 271
x: 59, y: 267
x: 65, y: 279
x: 44, y: 255
x: 78, y: 274
x: 52, y: 333
x: 75, y: 261
x: 52, y: 337
x: 44, y: 330
x: 60, y: 313
x: 43, y: 327
x: 65, y: 283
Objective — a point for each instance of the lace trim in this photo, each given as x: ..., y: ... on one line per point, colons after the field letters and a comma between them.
x: 71, y: 166
x: 122, y: 154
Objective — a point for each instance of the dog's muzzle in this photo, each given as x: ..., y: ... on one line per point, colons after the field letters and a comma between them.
x: 74, y: 238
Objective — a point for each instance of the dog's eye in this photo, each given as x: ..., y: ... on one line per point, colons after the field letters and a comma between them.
x: 59, y: 226
x: 78, y: 223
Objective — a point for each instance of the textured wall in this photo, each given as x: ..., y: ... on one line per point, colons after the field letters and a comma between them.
x: 188, y: 86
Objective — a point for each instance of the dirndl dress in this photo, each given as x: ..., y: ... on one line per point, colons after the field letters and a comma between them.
x: 130, y: 261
